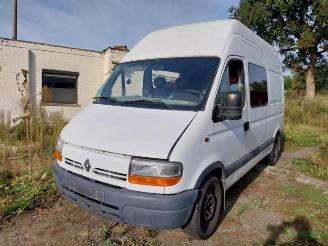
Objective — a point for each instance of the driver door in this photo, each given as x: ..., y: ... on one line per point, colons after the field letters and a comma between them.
x: 231, y: 135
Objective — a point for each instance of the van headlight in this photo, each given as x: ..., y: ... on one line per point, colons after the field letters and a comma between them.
x: 154, y: 172
x: 58, y: 151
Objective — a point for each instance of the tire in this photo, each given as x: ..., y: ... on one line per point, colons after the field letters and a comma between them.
x: 273, y: 157
x: 207, y: 212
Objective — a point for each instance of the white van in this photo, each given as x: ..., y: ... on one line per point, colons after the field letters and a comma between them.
x: 187, y: 113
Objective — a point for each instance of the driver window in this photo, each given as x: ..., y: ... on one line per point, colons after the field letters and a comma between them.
x: 232, y: 81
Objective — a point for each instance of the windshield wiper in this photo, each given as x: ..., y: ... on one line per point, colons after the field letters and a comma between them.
x: 109, y: 99
x: 149, y: 102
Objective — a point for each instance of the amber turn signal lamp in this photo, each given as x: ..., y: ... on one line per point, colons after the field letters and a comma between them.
x: 58, y: 156
x: 154, y: 181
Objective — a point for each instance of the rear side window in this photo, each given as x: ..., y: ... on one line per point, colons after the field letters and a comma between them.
x: 275, y: 87
x: 258, y: 85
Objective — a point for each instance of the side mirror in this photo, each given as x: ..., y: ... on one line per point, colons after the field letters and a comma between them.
x: 233, y: 109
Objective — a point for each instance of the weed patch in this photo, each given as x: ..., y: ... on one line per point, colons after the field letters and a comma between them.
x: 25, y: 193
x: 315, y: 165
x: 118, y: 234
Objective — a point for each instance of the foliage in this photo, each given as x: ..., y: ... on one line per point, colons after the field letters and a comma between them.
x: 23, y: 193
x: 322, y: 77
x: 43, y: 137
x: 307, y: 114
x: 315, y: 165
x: 297, y: 81
x: 298, y: 28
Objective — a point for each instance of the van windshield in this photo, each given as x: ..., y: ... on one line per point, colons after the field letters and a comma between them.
x: 170, y: 83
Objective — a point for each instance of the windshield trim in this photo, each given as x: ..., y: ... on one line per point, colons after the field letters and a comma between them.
x: 200, y: 107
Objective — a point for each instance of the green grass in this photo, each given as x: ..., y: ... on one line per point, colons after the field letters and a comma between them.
x: 20, y: 194
x: 306, y: 122
x: 309, y: 220
x: 315, y: 165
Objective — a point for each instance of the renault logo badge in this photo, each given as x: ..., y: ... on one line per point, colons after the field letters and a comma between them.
x: 87, y: 165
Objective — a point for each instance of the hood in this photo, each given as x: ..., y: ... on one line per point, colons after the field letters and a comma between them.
x: 127, y: 130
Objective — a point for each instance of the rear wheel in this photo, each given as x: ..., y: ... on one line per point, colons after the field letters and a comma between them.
x: 207, y: 212
x: 276, y: 150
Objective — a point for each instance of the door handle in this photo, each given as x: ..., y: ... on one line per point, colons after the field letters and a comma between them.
x: 246, y: 126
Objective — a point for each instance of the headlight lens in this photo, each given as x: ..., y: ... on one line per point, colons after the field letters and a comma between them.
x: 58, y: 150
x: 155, y: 172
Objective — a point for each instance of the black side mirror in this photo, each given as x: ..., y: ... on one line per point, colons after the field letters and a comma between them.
x: 233, y: 109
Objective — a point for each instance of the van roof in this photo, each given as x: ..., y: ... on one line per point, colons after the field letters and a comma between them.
x: 198, y: 39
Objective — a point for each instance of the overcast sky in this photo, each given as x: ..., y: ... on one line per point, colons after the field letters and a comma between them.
x: 97, y: 24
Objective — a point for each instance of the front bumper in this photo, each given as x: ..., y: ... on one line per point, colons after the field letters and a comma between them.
x: 125, y: 206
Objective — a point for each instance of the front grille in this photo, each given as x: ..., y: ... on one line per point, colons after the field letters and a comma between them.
x: 95, y: 181
x: 110, y: 174
x: 98, y: 171
x: 74, y: 163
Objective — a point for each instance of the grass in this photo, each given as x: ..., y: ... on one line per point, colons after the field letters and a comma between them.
x: 306, y: 125
x: 24, y: 193
x: 118, y: 234
x: 309, y: 224
x: 25, y: 166
x: 316, y: 164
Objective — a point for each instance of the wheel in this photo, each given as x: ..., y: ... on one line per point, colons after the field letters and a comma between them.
x: 276, y: 151
x: 207, y: 212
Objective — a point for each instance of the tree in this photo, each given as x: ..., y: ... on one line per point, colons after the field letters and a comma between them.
x: 322, y: 77
x: 297, y: 27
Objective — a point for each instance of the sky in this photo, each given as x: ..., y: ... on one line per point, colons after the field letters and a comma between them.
x: 97, y: 24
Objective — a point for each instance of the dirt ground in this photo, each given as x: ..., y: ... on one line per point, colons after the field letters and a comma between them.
x: 259, y: 212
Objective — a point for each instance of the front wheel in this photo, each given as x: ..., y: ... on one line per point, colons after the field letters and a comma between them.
x: 207, y: 212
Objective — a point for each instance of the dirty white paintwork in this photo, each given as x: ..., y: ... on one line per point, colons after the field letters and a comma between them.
x: 127, y: 130
x: 199, y: 39
x: 152, y: 133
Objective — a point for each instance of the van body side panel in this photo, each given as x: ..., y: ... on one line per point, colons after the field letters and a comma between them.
x: 276, y: 103
x: 192, y: 150
x: 263, y: 121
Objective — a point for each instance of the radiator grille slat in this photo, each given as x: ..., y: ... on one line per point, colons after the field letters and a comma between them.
x: 98, y: 171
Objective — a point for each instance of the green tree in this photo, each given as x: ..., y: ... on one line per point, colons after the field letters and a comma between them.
x: 298, y: 27
x: 322, y: 77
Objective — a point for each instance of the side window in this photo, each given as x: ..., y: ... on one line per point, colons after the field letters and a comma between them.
x: 257, y: 85
x: 133, y: 83
x: 233, y: 80
x: 131, y: 86
x: 117, y: 87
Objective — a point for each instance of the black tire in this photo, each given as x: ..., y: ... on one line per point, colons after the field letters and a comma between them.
x: 273, y: 157
x: 207, y: 212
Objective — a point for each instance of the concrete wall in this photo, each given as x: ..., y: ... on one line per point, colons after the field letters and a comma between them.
x: 93, y: 67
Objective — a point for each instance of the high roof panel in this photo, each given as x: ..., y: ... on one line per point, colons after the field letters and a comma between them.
x: 198, y: 39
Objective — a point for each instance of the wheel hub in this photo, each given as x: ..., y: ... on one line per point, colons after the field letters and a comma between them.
x: 210, y: 205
